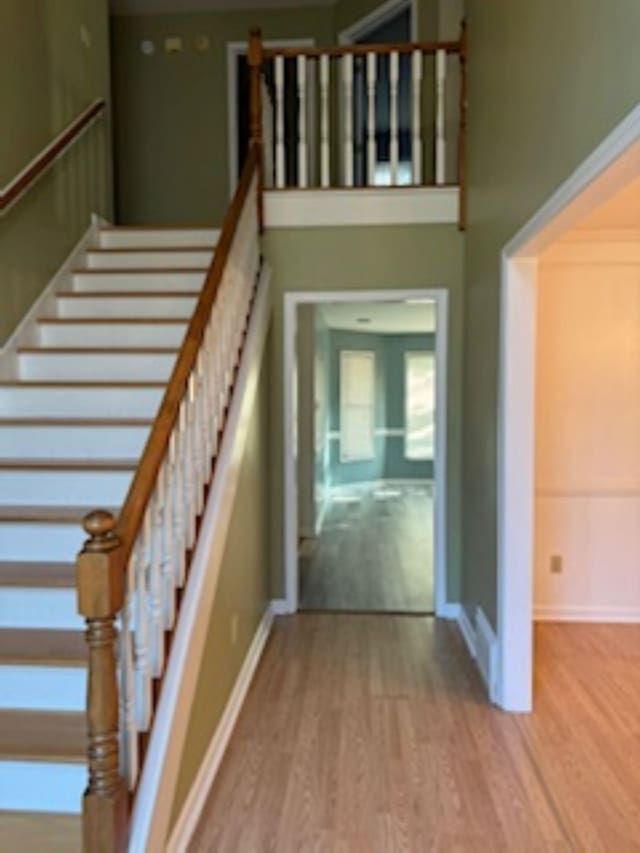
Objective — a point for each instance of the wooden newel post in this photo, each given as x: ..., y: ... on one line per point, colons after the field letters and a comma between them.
x: 100, y: 581
x: 462, y: 140
x: 255, y: 59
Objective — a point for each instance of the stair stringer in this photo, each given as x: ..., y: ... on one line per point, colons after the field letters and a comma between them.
x: 154, y: 798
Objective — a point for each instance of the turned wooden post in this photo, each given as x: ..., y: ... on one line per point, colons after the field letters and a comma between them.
x: 255, y: 59
x: 100, y: 578
x: 462, y: 139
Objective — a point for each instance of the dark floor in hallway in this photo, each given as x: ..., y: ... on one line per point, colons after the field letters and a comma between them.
x: 372, y: 734
x: 375, y: 552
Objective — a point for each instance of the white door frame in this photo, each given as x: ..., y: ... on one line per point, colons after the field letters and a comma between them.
x: 599, y: 177
x: 379, y: 16
x: 291, y: 302
x: 234, y: 50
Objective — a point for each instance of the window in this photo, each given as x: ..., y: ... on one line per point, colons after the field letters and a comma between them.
x: 357, y: 405
x: 419, y: 441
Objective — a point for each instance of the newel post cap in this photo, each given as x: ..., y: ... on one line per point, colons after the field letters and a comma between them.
x: 100, y: 573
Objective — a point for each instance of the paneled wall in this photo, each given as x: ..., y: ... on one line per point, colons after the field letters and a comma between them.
x: 588, y: 440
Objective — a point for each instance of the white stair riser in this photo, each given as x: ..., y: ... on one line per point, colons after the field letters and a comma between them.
x: 65, y: 442
x: 149, y: 260
x: 43, y: 688
x: 40, y: 608
x: 130, y: 238
x: 112, y: 334
x: 47, y: 542
x: 102, y: 367
x: 153, y: 282
x: 178, y: 307
x: 80, y: 402
x: 40, y: 786
x: 63, y: 488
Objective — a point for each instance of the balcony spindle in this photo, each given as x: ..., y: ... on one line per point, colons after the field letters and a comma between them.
x: 303, y: 149
x: 280, y: 150
x: 416, y: 114
x: 324, y: 121
x: 372, y: 153
x: 441, y: 144
x: 394, y: 81
x: 347, y: 83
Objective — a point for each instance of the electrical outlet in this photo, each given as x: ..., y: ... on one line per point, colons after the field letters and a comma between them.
x: 556, y: 564
x: 234, y: 629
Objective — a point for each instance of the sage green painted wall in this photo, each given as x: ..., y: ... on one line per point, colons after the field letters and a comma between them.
x: 379, y: 258
x: 243, y: 588
x: 171, y: 109
x: 547, y: 82
x: 48, y: 76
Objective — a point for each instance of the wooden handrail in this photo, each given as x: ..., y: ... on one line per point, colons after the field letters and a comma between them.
x: 362, y: 49
x: 39, y: 165
x: 132, y: 513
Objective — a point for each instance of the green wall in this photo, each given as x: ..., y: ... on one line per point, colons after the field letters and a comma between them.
x: 171, y: 109
x: 48, y: 76
x: 378, y: 258
x: 547, y: 82
x: 243, y: 589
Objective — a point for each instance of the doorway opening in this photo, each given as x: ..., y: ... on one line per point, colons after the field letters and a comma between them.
x: 569, y: 485
x: 365, y: 382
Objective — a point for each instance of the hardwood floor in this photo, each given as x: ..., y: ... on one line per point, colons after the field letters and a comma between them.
x: 372, y: 734
x: 375, y: 552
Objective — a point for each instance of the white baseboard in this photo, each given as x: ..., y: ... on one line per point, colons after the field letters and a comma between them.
x: 450, y: 610
x: 197, y: 796
x: 487, y: 652
x: 467, y: 630
x: 577, y: 613
x: 280, y: 607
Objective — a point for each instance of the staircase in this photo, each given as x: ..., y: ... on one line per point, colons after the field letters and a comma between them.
x: 74, y: 419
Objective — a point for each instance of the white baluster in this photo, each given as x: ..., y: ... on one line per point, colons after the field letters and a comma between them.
x: 372, y: 154
x: 177, y: 502
x: 441, y: 147
x: 141, y: 636
x: 280, y: 152
x: 325, y: 167
x: 394, y: 79
x: 190, y: 464
x: 303, y: 149
x: 347, y: 83
x: 129, y: 732
x: 416, y: 135
x: 168, y: 563
x: 153, y: 521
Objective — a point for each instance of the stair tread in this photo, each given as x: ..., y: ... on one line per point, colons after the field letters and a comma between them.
x: 75, y: 422
x: 42, y: 736
x: 138, y: 270
x: 17, y: 573
x: 99, y: 350
x: 210, y: 247
x: 68, y: 464
x: 72, y: 383
x: 110, y: 321
x: 41, y: 831
x: 37, y: 645
x: 127, y: 294
x: 48, y: 514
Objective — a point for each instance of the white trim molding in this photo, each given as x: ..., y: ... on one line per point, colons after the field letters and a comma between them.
x: 482, y: 645
x: 379, y: 16
x: 576, y: 613
x: 196, y: 798
x: 467, y: 630
x: 291, y: 302
x: 325, y: 208
x: 156, y: 789
x: 610, y: 167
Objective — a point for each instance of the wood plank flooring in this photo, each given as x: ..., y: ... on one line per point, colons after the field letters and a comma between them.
x: 375, y: 552
x: 372, y: 734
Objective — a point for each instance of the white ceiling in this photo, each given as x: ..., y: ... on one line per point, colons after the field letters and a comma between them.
x: 384, y: 317
x: 154, y: 7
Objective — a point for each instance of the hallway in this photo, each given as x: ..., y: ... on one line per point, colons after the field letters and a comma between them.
x: 372, y: 734
x: 375, y: 551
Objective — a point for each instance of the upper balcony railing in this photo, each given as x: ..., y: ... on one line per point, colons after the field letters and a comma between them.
x: 358, y: 116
